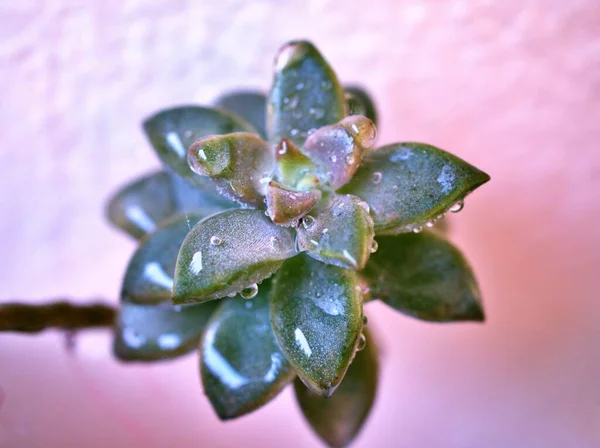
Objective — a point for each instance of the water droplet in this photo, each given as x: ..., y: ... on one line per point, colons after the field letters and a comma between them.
x: 132, y: 338
x: 354, y: 128
x: 329, y: 176
x: 365, y: 320
x: 362, y: 343
x: 333, y: 158
x: 376, y: 177
x: 417, y: 229
x: 294, y: 132
x: 374, y: 246
x: 215, y: 240
x: 350, y: 159
x: 274, y: 242
x: 325, y: 85
x: 311, y: 131
x: 430, y: 224
x: 395, y: 188
x: 316, y: 112
x: 325, y: 231
x: 307, y: 221
x: 233, y: 294
x: 283, y: 148
x: 299, y: 86
x: 457, y: 207
x: 249, y: 292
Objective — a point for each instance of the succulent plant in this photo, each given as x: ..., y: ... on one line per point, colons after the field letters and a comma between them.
x: 274, y: 221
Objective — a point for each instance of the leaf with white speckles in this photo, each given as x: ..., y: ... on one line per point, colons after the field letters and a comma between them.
x: 286, y: 207
x: 338, y: 419
x: 241, y: 364
x: 305, y: 95
x: 339, y: 232
x: 424, y: 276
x: 228, y: 252
x: 316, y: 314
x: 409, y: 184
x: 240, y: 164
x: 159, y: 332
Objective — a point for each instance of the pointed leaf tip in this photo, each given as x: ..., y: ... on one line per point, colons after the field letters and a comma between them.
x: 316, y: 315
x: 172, y: 131
x: 286, y: 207
x: 409, y: 185
x: 338, y: 232
x: 305, y: 95
x: 240, y: 164
x: 227, y: 252
x: 337, y: 149
x: 337, y: 420
x: 242, y: 366
x: 424, y: 276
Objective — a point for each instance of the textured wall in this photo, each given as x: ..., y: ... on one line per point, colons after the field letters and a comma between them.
x: 512, y: 86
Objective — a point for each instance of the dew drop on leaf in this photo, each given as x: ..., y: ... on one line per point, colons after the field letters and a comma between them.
x: 374, y: 246
x: 365, y: 320
x: 430, y: 224
x: 457, y: 207
x: 215, y: 240
x: 249, y: 292
x: 362, y: 343
x: 417, y: 229
x: 349, y: 159
x: 307, y: 221
x: 376, y: 177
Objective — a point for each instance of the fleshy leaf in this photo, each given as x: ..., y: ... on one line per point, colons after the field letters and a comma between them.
x: 149, y: 275
x: 408, y: 185
x: 316, y: 314
x: 192, y: 197
x: 240, y: 164
x: 172, y: 131
x: 338, y: 420
x: 250, y: 105
x: 241, y: 364
x: 286, y: 207
x: 337, y: 149
x: 424, y: 276
x: 340, y: 232
x: 157, y: 332
x: 293, y: 167
x: 359, y: 102
x: 305, y: 95
x: 228, y: 252
x: 140, y: 206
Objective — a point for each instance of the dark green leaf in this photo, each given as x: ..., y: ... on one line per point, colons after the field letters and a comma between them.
x: 228, y: 252
x: 359, y: 102
x: 337, y: 149
x: 192, y: 197
x: 241, y: 364
x: 149, y: 275
x: 157, y: 332
x: 172, y: 131
x: 140, y: 206
x: 250, y: 105
x: 409, y: 185
x: 316, y: 314
x: 286, y: 207
x: 339, y: 232
x: 338, y: 420
x: 424, y: 276
x: 240, y: 165
x: 305, y: 95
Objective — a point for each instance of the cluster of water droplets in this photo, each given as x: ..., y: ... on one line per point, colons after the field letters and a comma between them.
x: 455, y: 208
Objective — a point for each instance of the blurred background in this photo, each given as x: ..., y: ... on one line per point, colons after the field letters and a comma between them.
x: 512, y: 87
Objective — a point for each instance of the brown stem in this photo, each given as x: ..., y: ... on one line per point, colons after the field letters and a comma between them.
x: 17, y: 317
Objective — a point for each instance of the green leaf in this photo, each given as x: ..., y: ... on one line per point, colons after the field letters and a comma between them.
x: 240, y: 165
x: 294, y: 168
x: 316, y: 314
x: 424, y: 276
x: 172, y: 131
x: 228, y: 252
x: 359, y: 102
x: 149, y: 275
x: 286, y: 207
x: 305, y: 95
x: 337, y: 149
x: 192, y: 197
x: 409, y: 185
x: 140, y: 206
x: 241, y: 364
x: 158, y: 332
x: 338, y: 420
x: 340, y: 232
x: 250, y: 105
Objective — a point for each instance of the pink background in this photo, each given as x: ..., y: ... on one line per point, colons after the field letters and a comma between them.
x: 511, y: 86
